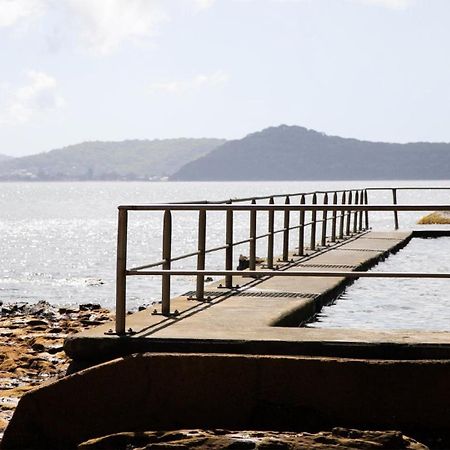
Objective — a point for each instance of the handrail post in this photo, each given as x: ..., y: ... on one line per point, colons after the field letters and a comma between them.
x: 355, y: 216
x: 121, y: 271
x: 334, y: 219
x: 360, y: 219
x: 286, y: 224
x: 349, y: 213
x: 323, y: 241
x: 342, y: 218
x: 252, y: 243
x: 394, y: 200
x: 201, y: 254
x: 366, y: 202
x: 166, y: 265
x: 313, y: 224
x: 270, y: 238
x: 301, y: 230
x: 229, y: 249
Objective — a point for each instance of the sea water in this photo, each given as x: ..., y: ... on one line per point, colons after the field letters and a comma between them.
x: 58, y: 240
x: 402, y: 303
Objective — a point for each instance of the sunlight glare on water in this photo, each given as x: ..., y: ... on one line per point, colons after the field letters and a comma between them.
x: 58, y: 240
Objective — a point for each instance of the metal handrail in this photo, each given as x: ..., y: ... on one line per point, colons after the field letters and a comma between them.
x: 289, y: 273
x: 279, y: 207
x: 352, y: 210
x: 310, y: 193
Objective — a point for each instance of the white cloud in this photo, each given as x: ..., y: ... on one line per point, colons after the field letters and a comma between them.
x: 13, y: 11
x: 101, y: 26
x: 104, y: 24
x: 182, y: 86
x: 391, y: 4
x: 38, y: 96
x: 203, y: 4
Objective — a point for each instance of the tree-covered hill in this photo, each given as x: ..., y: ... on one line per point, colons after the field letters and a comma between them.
x: 5, y: 157
x: 130, y: 160
x: 297, y: 153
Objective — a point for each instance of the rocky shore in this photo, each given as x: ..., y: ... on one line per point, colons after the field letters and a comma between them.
x: 338, y: 438
x: 31, y: 346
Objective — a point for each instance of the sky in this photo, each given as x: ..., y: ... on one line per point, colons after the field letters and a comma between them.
x: 83, y: 70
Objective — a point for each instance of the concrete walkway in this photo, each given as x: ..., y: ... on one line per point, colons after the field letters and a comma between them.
x: 262, y: 316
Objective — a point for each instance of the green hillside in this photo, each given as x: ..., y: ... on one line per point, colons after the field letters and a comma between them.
x: 297, y: 153
x: 127, y: 160
x: 5, y: 157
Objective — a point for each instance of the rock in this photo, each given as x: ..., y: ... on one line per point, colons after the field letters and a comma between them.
x: 67, y: 311
x: 244, y: 263
x: 55, y: 330
x: 89, y: 322
x: 55, y: 349
x: 3, y: 424
x: 38, y: 347
x: 435, y: 218
x: 31, y: 345
x: 90, y: 307
x: 338, y: 439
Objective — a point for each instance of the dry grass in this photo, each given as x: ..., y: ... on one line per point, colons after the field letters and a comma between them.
x: 435, y: 218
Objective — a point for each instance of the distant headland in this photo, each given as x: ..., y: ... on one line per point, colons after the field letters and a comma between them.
x: 275, y: 153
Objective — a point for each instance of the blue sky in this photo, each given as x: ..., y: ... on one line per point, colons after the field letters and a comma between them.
x: 77, y: 70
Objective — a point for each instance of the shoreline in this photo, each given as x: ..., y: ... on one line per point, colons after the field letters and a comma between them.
x: 31, y: 346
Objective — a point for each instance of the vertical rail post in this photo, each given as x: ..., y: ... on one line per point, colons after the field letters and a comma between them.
x: 334, y: 219
x: 360, y: 219
x: 349, y: 214
x: 355, y: 216
x: 286, y: 224
x: 301, y: 229
x: 252, y: 243
x: 323, y: 240
x: 229, y: 249
x: 121, y: 271
x: 366, y: 202
x: 201, y: 254
x: 270, y: 238
x: 313, y: 224
x: 167, y: 263
x: 342, y: 218
x: 394, y: 200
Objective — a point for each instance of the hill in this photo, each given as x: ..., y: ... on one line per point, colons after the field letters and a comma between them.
x: 297, y: 153
x: 5, y: 157
x: 126, y: 160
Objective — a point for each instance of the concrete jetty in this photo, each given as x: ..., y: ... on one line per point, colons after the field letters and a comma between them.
x: 263, y: 316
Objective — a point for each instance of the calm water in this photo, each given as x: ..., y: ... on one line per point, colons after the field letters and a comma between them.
x: 57, y: 240
x: 397, y: 304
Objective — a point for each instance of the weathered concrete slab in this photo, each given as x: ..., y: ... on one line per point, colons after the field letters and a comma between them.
x: 170, y: 391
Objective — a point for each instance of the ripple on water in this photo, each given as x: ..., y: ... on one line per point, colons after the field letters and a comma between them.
x: 382, y: 303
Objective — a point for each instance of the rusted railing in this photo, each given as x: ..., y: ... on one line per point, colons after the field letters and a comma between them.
x: 343, y: 214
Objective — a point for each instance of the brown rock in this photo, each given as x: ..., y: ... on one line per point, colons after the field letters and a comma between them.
x: 31, y: 339
x: 55, y: 330
x: 90, y: 307
x: 37, y: 322
x: 3, y: 424
x: 220, y: 439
